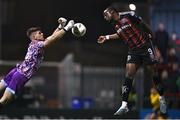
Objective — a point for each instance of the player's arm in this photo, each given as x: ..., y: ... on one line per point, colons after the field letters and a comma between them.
x: 54, y: 37
x: 148, y: 29
x: 58, y: 33
x: 104, y: 38
x: 127, y: 12
x: 56, y: 30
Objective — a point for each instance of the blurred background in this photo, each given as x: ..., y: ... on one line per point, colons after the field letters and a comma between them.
x: 80, y: 78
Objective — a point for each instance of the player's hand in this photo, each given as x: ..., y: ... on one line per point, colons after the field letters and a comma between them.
x: 158, y: 55
x: 101, y: 39
x: 62, y: 22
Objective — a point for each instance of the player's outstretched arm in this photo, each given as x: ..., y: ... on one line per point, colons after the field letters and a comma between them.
x: 104, y: 38
x: 58, y: 34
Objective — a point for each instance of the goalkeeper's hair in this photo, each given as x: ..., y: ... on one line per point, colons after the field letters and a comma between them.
x: 31, y: 30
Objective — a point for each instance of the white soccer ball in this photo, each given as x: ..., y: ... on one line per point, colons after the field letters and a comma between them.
x: 78, y: 30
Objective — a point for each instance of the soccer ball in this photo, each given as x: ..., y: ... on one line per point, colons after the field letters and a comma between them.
x: 78, y: 30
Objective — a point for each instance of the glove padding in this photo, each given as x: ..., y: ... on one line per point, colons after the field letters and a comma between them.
x: 62, y: 22
x: 69, y: 25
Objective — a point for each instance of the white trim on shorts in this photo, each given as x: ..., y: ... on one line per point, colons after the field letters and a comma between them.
x: 10, y: 90
x: 4, y: 83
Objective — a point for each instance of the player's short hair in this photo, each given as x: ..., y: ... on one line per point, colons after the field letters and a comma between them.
x: 31, y: 30
x: 110, y: 8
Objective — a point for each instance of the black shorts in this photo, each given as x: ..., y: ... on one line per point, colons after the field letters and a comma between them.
x: 144, y: 55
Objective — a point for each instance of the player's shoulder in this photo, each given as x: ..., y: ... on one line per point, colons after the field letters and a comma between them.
x: 131, y: 15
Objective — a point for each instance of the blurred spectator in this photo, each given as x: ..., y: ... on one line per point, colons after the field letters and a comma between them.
x: 164, y: 75
x: 174, y: 73
x: 170, y: 76
x: 172, y: 56
x: 154, y: 99
x: 175, y: 43
x: 161, y: 41
x: 158, y: 55
x: 173, y: 39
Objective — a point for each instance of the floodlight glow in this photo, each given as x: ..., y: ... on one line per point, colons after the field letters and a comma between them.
x: 132, y: 7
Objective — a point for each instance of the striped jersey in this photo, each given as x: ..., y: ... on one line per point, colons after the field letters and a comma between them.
x: 132, y: 30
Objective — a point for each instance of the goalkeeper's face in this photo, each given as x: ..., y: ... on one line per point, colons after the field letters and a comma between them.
x: 39, y: 35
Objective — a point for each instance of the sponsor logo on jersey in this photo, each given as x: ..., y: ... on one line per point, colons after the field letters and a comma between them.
x: 123, y: 27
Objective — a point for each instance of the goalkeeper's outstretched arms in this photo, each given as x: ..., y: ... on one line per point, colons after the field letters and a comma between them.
x: 104, y: 38
x: 59, y: 32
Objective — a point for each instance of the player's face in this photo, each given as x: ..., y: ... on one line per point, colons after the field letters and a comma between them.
x: 39, y: 35
x: 107, y: 15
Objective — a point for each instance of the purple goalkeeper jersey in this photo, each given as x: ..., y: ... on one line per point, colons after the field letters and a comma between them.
x: 33, y: 58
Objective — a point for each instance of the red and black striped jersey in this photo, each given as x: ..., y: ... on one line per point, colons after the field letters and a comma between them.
x: 132, y: 30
